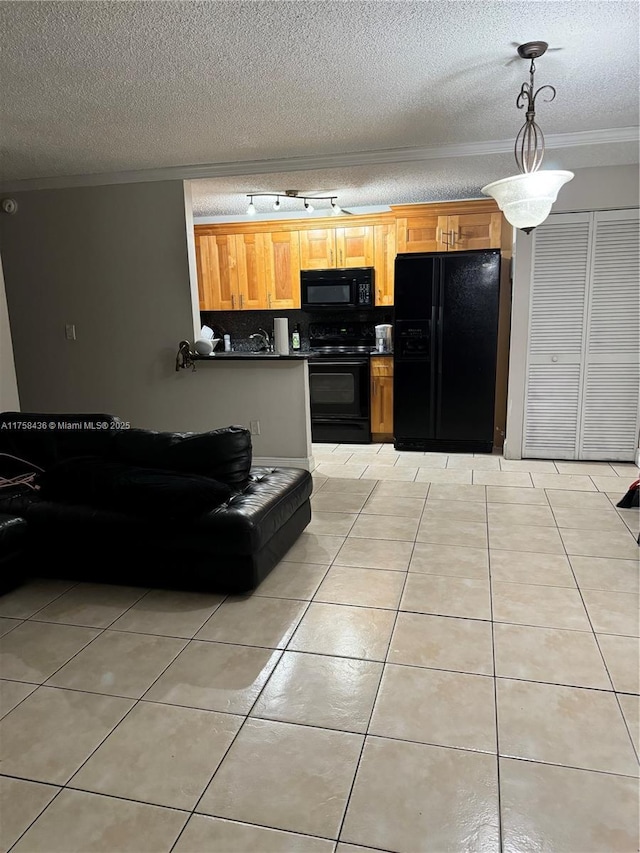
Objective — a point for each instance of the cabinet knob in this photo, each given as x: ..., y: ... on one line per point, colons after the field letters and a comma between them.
x: 554, y: 358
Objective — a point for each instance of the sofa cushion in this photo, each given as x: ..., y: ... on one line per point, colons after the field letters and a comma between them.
x: 43, y: 440
x: 223, y: 454
x: 130, y: 489
x: 251, y: 517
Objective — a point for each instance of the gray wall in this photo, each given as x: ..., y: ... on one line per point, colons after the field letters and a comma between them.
x: 114, y: 261
x: 8, y: 385
x: 601, y: 188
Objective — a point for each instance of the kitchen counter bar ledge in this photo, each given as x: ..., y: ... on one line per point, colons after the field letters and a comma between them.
x: 253, y: 356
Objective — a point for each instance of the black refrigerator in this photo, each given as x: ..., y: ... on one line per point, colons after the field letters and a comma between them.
x: 445, y: 349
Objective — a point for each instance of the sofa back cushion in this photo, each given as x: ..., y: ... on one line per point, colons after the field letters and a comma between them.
x: 131, y: 489
x: 46, y: 439
x: 222, y: 454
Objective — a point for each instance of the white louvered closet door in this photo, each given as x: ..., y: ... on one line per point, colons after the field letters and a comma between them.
x: 611, y: 383
x: 583, y: 355
x: 560, y: 272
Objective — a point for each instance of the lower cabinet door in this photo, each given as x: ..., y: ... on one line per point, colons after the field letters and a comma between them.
x: 382, y: 399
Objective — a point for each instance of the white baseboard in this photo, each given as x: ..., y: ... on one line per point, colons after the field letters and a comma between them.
x: 306, y: 462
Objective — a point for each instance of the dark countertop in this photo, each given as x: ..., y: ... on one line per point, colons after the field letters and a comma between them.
x: 253, y: 356
x: 376, y: 354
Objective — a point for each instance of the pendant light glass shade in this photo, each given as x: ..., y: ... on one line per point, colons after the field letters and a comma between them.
x: 526, y: 200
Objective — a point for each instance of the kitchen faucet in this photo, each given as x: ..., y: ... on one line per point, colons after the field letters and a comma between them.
x: 265, y: 340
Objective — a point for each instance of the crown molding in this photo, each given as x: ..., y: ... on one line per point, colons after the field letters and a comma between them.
x: 606, y: 136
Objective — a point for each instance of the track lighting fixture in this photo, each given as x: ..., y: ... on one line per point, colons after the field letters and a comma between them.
x: 307, y: 201
x: 526, y: 199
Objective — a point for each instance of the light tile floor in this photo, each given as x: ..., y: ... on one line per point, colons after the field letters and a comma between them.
x: 446, y: 660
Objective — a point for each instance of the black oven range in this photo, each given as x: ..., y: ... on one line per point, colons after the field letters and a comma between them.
x: 339, y: 382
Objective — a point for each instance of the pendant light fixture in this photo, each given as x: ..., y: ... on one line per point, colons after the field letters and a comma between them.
x: 336, y: 210
x: 526, y: 199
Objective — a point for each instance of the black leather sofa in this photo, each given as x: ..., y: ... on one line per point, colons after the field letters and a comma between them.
x: 117, y: 505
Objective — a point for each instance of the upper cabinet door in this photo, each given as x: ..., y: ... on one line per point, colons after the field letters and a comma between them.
x: 318, y: 249
x: 384, y: 262
x: 250, y: 262
x: 217, y: 272
x: 424, y: 233
x: 202, y: 267
x: 281, y: 252
x: 354, y: 246
x: 474, y: 231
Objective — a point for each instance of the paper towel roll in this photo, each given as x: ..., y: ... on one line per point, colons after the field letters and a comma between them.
x: 281, y: 335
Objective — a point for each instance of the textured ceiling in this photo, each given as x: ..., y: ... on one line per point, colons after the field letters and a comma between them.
x: 100, y: 87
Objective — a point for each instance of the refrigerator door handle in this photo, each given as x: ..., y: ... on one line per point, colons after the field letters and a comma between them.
x: 439, y: 337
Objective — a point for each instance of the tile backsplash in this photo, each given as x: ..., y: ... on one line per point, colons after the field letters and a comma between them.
x: 241, y: 324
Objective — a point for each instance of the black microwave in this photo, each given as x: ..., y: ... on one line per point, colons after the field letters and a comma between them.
x: 343, y: 288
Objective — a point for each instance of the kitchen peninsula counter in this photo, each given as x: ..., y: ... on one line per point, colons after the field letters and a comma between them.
x: 268, y: 394
x: 253, y: 356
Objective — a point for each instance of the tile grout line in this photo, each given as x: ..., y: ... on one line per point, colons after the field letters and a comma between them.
x: 382, y: 672
x: 495, y: 688
x: 604, y: 661
x: 136, y: 702
x: 247, y: 717
x: 595, y: 636
x: 51, y: 687
x: 101, y: 631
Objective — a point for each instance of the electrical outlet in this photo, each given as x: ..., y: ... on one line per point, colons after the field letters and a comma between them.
x: 254, y: 427
x: 70, y: 331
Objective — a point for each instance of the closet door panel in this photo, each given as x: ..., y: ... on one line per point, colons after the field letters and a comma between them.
x: 610, y: 411
x: 556, y: 334
x: 612, y: 353
x: 552, y: 411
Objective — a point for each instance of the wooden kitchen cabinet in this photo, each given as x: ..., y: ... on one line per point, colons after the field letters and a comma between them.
x: 318, y: 249
x: 420, y: 233
x: 281, y: 251
x: 250, y: 266
x: 473, y: 231
x: 382, y: 398
x: 448, y: 230
x: 331, y: 248
x: 384, y: 262
x: 230, y: 272
x: 256, y: 266
x: 248, y: 271
x: 217, y: 272
x: 354, y: 246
